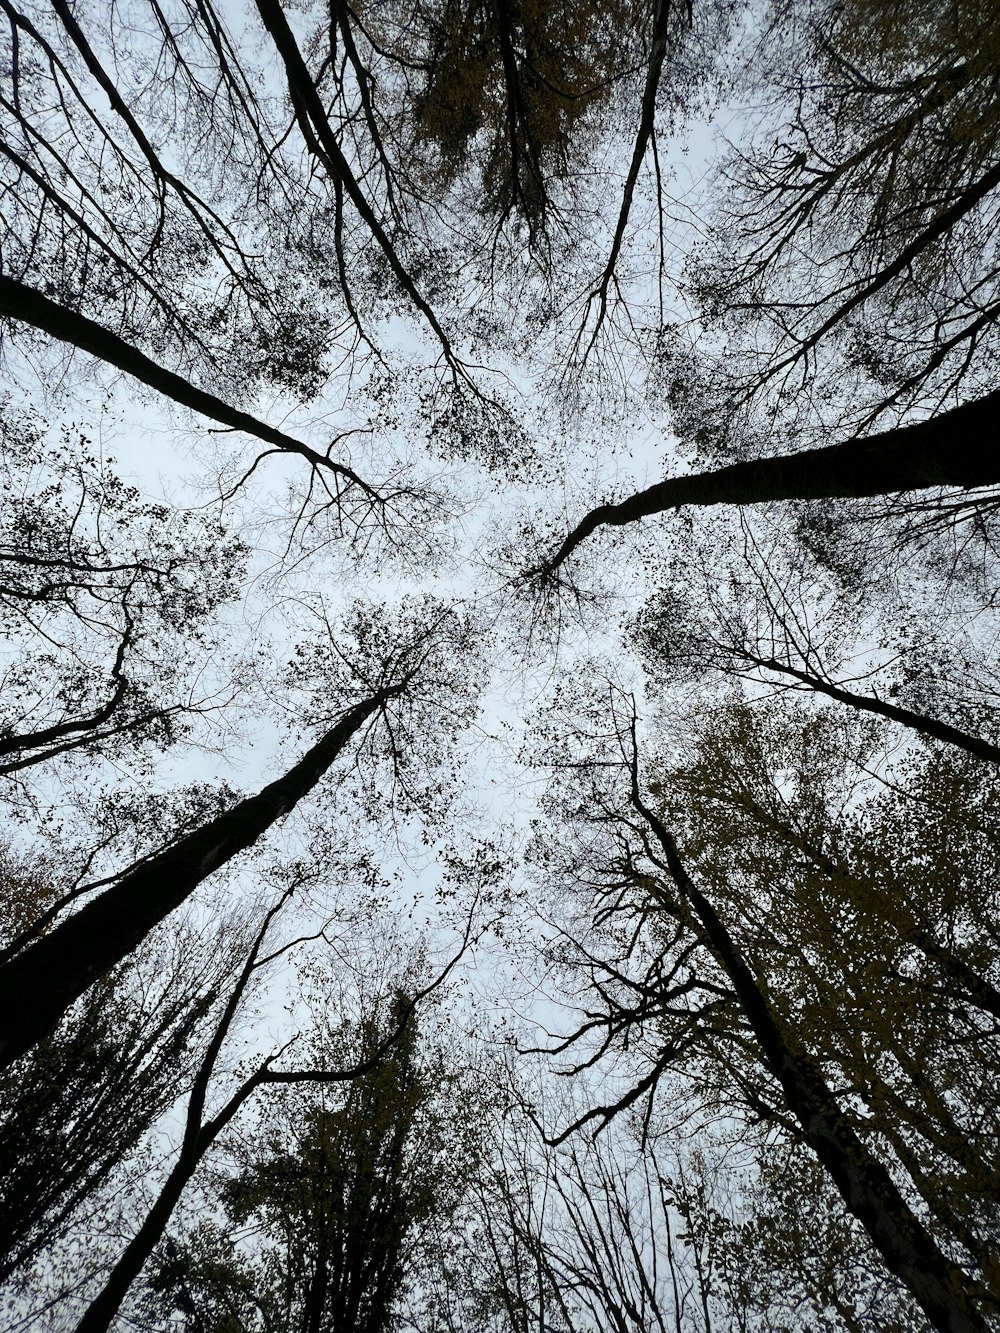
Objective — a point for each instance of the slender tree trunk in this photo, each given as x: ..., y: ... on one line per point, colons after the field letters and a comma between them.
x: 868, y: 703
x: 314, y: 1305
x: 910, y: 1252
x: 23, y: 303
x: 103, y: 1309
x: 198, y: 1138
x: 199, y: 1135
x: 956, y: 448
x: 322, y: 142
x: 39, y: 984
x: 644, y: 133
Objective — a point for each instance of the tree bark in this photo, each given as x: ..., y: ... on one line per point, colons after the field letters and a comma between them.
x: 957, y: 448
x: 868, y: 703
x: 39, y: 984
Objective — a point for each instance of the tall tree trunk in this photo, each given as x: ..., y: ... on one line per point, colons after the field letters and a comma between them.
x: 956, y: 448
x: 38, y: 985
x: 23, y: 303
x: 910, y: 1252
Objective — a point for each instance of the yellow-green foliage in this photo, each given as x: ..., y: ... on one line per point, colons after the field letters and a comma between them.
x: 566, y: 59
x: 868, y: 906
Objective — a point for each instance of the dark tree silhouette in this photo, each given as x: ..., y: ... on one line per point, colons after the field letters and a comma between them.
x: 704, y: 979
x: 958, y: 448
x: 384, y: 1095
x: 40, y: 982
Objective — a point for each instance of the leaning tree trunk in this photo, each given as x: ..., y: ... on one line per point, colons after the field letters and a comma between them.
x: 910, y: 1252
x: 29, y: 306
x: 869, y: 703
x: 956, y: 448
x: 38, y: 985
x: 198, y: 1138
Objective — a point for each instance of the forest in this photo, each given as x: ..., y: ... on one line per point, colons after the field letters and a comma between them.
x: 500, y: 711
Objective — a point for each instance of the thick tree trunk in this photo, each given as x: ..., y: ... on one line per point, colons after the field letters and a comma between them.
x: 38, y: 985
x: 908, y: 1249
x: 956, y: 448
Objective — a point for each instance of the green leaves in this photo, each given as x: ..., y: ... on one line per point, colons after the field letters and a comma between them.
x: 326, y: 1212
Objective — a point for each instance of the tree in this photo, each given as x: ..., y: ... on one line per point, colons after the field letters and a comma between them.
x: 110, y: 600
x: 46, y: 977
x: 198, y: 278
x: 75, y: 1107
x: 26, y: 305
x: 845, y: 289
x: 422, y: 264
x: 325, y: 1211
x: 583, y: 1235
x: 522, y: 81
x: 707, y: 990
x: 954, y: 449
x: 109, y: 220
x: 893, y: 970
x: 781, y: 1253
x: 97, y: 196
x: 856, y: 240
x: 767, y: 613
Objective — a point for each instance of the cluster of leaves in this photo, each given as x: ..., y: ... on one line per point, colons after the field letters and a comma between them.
x: 332, y: 1206
x: 409, y: 750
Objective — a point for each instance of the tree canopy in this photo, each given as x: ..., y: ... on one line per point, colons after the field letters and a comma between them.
x: 499, y: 730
